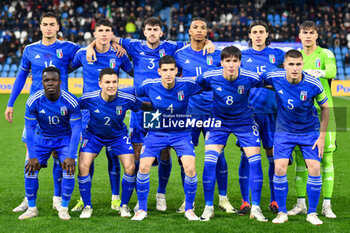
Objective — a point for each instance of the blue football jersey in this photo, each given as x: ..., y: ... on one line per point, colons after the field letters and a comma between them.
x: 170, y: 104
x: 230, y: 104
x: 36, y: 57
x: 106, y: 118
x: 268, y: 59
x: 296, y: 112
x: 193, y: 63
x: 53, y: 118
x: 91, y: 70
x: 146, y: 60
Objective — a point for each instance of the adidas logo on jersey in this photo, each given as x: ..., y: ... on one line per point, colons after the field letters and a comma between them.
x: 219, y: 89
x: 187, y: 61
x: 42, y: 111
x: 280, y: 91
x: 257, y: 140
x: 142, y: 53
x: 37, y: 56
x: 159, y: 98
x: 90, y: 63
x: 97, y: 111
x: 130, y: 147
x: 249, y: 60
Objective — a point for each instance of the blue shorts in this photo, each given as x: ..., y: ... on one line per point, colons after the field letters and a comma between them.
x: 285, y: 142
x: 196, y: 131
x: 155, y: 142
x: 247, y: 135
x: 44, y: 148
x: 267, y: 125
x: 93, y: 144
x: 136, y: 130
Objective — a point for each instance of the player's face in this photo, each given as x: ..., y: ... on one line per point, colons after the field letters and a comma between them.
x: 49, y: 27
x: 51, y: 83
x: 294, y: 67
x: 258, y: 35
x: 168, y: 73
x: 308, y: 37
x: 153, y: 33
x: 109, y: 84
x: 231, y: 66
x: 198, y: 30
x: 103, y: 35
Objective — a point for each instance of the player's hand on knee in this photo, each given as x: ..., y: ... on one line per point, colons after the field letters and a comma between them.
x: 69, y: 166
x: 320, y: 145
x: 9, y: 114
x: 32, y: 166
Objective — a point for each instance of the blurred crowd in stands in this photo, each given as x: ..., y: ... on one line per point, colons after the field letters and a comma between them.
x: 228, y: 20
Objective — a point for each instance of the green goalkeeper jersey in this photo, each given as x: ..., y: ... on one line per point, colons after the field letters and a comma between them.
x: 322, y: 59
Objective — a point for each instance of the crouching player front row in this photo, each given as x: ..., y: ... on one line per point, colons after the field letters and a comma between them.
x: 57, y: 114
x: 107, y: 108
x: 298, y: 125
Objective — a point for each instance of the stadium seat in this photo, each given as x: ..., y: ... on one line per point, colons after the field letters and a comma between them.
x: 341, y: 77
x: 344, y: 50
x: 8, y: 60
x: 337, y: 50
x: 0, y: 67
x: 338, y: 56
x: 71, y: 75
x: 3, y: 74
x: 12, y: 74
x: 6, y: 67
x: 270, y: 17
x: 13, y: 67
x: 347, y: 71
x: 340, y: 71
x: 340, y: 64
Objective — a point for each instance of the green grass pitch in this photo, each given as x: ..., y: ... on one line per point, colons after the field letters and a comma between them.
x: 104, y: 219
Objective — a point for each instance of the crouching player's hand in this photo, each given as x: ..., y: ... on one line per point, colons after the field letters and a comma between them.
x: 32, y: 166
x: 69, y: 166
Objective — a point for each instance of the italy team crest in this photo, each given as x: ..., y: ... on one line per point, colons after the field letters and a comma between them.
x: 318, y: 63
x: 112, y: 63
x: 240, y: 90
x: 210, y: 60
x: 59, y: 53
x: 303, y: 95
x: 272, y: 58
x: 64, y: 110
x: 180, y: 95
x: 119, y: 110
x: 84, y: 143
x: 161, y: 53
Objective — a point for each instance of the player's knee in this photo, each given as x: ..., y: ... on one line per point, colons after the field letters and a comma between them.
x: 144, y: 169
x: 84, y: 169
x: 190, y: 170
x: 280, y: 169
x: 129, y: 169
x: 314, y: 169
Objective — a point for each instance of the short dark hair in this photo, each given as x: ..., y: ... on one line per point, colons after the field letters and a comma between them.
x: 200, y: 19
x: 152, y: 21
x: 167, y: 60
x: 50, y: 15
x: 293, y: 53
x: 308, y: 25
x: 52, y: 69
x: 107, y: 71
x: 259, y: 23
x: 103, y: 22
x: 231, y: 51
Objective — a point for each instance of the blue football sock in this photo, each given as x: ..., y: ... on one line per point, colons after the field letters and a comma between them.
x: 222, y: 174
x: 313, y: 190
x: 128, y: 185
x: 243, y: 173
x: 92, y: 169
x: 271, y: 174
x: 190, y: 187
x: 68, y: 183
x: 281, y: 191
x: 164, y: 170
x: 57, y: 177
x: 31, y: 184
x: 85, y: 189
x: 142, y: 189
x: 255, y: 178
x: 209, y: 176
x: 113, y: 171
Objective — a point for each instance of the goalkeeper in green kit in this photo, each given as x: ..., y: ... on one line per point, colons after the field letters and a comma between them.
x: 318, y: 62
